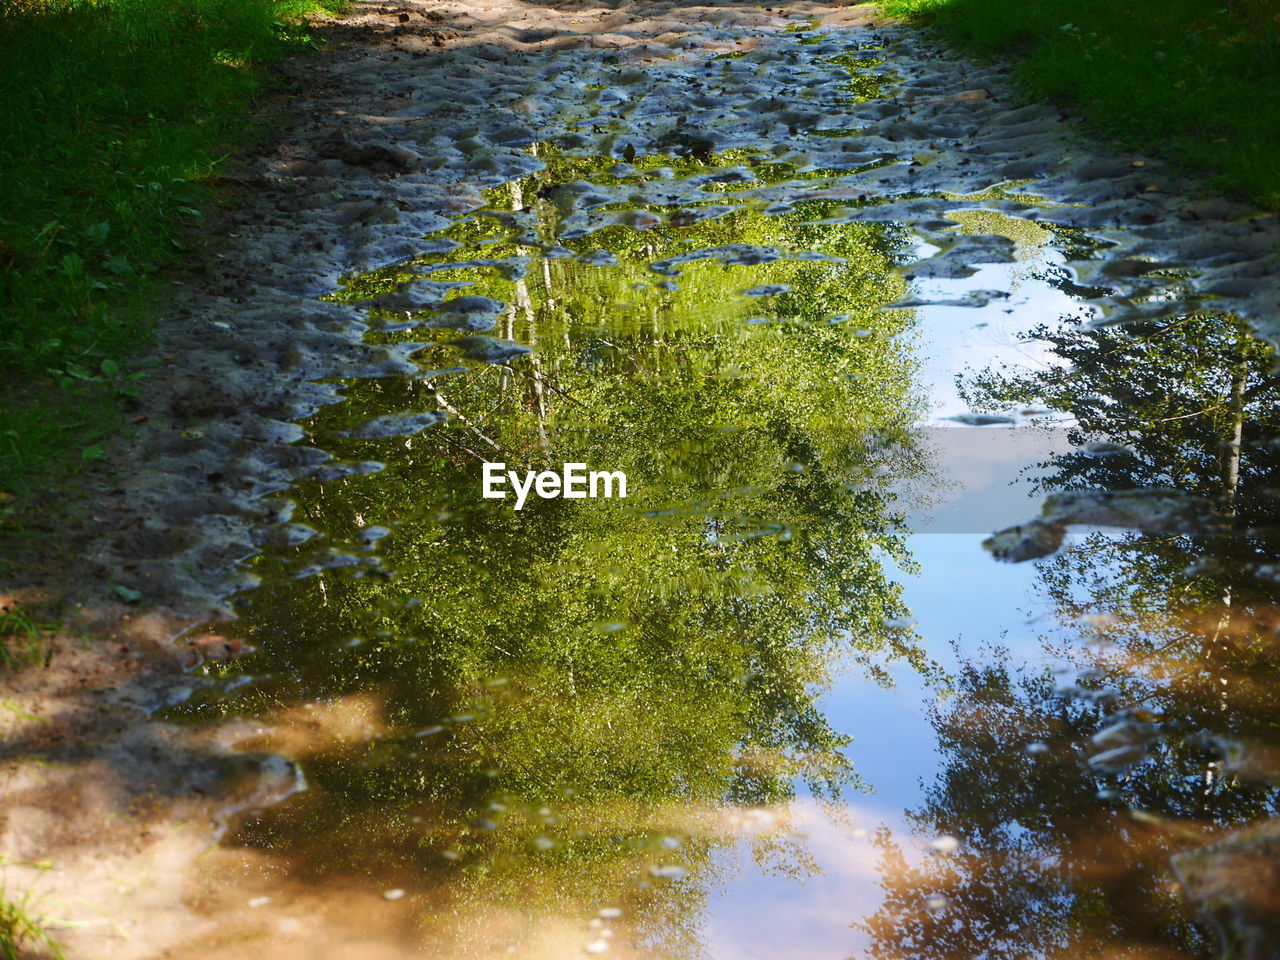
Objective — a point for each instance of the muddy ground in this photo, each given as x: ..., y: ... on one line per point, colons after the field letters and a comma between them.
x: 408, y: 113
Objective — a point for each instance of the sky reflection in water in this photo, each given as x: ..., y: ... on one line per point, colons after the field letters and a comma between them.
x: 525, y: 718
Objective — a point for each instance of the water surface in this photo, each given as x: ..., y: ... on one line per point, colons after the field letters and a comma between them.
x: 778, y: 701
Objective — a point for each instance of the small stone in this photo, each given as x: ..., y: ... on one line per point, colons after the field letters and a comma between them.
x: 670, y: 872
x: 945, y: 844
x: 982, y: 419
x: 1234, y: 884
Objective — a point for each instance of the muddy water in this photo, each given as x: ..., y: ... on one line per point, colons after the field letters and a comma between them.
x: 778, y: 701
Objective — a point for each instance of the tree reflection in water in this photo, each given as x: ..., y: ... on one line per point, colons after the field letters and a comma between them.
x: 565, y: 706
x: 1069, y: 799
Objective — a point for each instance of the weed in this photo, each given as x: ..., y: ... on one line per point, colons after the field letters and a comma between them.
x: 1193, y: 80
x: 22, y: 640
x: 116, y: 113
x: 21, y: 931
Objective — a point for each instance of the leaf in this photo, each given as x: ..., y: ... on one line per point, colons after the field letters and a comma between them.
x: 92, y: 453
x: 127, y: 594
x: 119, y: 266
x: 72, y: 265
x: 110, y: 368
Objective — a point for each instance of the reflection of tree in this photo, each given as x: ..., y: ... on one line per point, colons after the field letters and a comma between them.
x: 1194, y: 399
x: 1045, y: 867
x: 1193, y: 405
x: 622, y: 664
x: 1064, y: 857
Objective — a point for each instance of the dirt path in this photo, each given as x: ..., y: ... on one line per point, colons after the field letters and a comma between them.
x: 410, y: 113
x: 413, y: 110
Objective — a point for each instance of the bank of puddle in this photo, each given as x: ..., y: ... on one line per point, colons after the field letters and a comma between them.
x: 778, y: 701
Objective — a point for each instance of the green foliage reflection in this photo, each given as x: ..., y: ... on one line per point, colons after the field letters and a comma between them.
x: 626, y: 666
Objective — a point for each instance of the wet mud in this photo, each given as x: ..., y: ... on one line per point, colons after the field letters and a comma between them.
x: 392, y: 142
x: 710, y: 246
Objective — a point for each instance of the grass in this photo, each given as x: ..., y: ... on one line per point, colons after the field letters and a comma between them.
x: 22, y: 936
x: 115, y: 114
x: 1198, y: 82
x: 22, y: 639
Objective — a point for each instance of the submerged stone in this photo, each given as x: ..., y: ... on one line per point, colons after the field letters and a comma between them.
x: 1119, y: 759
x: 468, y: 313
x: 1154, y: 510
x: 945, y: 844
x: 397, y: 425
x: 1028, y: 541
x: 1235, y: 885
x: 1103, y: 448
x: 767, y: 290
x: 490, y: 349
x: 982, y: 419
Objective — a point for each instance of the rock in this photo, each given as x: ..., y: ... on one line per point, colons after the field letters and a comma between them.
x: 767, y: 290
x: 982, y: 419
x: 1154, y: 510
x: 379, y: 157
x: 1104, y: 448
x: 397, y: 425
x: 411, y: 296
x: 1249, y: 759
x: 1235, y: 885
x: 1118, y: 759
x: 490, y: 349
x: 695, y: 144
x: 599, y: 258
x: 1029, y: 541
x: 469, y: 313
x: 964, y: 96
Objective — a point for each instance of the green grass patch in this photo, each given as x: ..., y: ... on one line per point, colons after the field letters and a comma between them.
x: 22, y: 934
x: 115, y: 114
x: 22, y: 640
x: 1196, y: 81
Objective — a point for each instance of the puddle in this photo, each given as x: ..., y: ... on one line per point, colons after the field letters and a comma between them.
x: 777, y: 700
